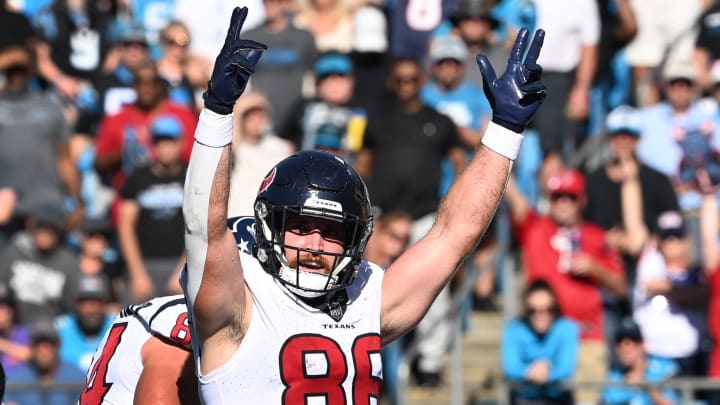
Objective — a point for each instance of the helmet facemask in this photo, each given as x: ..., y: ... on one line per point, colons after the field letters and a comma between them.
x: 284, y: 261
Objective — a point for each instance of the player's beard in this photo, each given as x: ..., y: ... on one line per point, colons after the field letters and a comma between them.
x: 311, y: 261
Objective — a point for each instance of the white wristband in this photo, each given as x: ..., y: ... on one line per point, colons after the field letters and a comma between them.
x: 213, y: 129
x: 502, y: 140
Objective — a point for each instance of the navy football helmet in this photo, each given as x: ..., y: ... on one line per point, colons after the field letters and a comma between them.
x: 313, y: 184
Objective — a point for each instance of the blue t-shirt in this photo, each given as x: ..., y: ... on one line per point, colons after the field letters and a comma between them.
x: 658, y: 369
x: 66, y: 374
x: 521, y: 347
x: 76, y: 348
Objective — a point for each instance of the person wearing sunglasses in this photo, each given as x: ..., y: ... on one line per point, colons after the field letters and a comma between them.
x: 572, y: 256
x: 539, y: 349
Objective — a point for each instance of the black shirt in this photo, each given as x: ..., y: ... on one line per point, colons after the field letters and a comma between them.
x: 159, y: 227
x: 604, y: 198
x: 709, y: 35
x: 408, y: 149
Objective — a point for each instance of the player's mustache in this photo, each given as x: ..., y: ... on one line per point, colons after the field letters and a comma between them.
x: 305, y: 258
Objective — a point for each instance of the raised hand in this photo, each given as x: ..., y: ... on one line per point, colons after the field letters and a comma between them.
x: 233, y: 66
x: 518, y: 93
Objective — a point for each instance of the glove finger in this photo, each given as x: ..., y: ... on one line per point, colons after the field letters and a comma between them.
x: 533, y: 72
x: 532, y: 92
x: 236, y: 22
x: 253, y: 56
x: 535, y: 47
x: 518, y: 50
x: 486, y: 69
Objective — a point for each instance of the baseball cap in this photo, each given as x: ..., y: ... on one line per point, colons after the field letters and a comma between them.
x: 134, y: 35
x: 49, y: 214
x: 671, y: 224
x: 568, y: 181
x: 92, y: 287
x: 628, y: 329
x: 623, y: 120
x: 474, y: 9
x: 333, y: 63
x: 370, y: 30
x: 166, y: 126
x: 679, y: 71
x: 96, y: 226
x: 44, y: 330
x: 448, y: 47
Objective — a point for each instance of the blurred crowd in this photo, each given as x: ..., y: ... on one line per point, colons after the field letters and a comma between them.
x: 612, y: 206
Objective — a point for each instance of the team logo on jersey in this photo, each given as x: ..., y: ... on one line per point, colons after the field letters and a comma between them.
x: 267, y: 181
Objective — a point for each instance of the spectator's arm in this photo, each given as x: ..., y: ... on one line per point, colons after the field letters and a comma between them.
x: 511, y: 353
x: 701, y: 63
x: 457, y: 157
x: 68, y: 172
x: 695, y: 296
x: 632, y: 212
x: 626, y: 28
x: 68, y: 86
x: 579, y: 98
x: 8, y: 198
x: 364, y: 163
x: 519, y: 205
x: 585, y: 265
x: 130, y: 247
x: 658, y: 398
x: 15, y: 350
x: 470, y: 137
x: 709, y: 226
x: 565, y: 362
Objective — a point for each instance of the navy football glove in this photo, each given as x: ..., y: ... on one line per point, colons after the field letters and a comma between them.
x: 233, y: 66
x: 518, y: 93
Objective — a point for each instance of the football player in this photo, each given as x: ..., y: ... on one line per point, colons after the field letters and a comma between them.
x: 302, y: 319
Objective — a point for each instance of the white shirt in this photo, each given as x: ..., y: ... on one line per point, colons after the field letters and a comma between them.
x: 569, y: 25
x: 666, y: 331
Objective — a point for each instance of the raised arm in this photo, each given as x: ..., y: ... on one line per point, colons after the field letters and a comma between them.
x: 413, y: 281
x: 215, y: 288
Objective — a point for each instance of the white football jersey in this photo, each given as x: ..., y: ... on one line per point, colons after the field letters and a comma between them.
x: 293, y: 353
x: 117, y: 363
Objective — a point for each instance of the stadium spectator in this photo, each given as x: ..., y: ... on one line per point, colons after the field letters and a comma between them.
x: 390, y: 238
x: 370, y: 56
x: 40, y: 271
x: 635, y: 367
x: 14, y: 335
x: 665, y: 37
x: 569, y: 61
x: 331, y: 105
x: 473, y: 21
x: 178, y: 67
x: 45, y: 368
x: 330, y: 23
x: 670, y: 298
x: 289, y: 58
x: 150, y: 220
x: 256, y: 149
x: 97, y: 252
x: 413, y: 23
x: 539, y: 350
x: 124, y: 141
x: 74, y: 43
x: 573, y: 257
x: 403, y: 149
x: 34, y: 125
x: 707, y: 50
x: 85, y: 325
x: 607, y: 188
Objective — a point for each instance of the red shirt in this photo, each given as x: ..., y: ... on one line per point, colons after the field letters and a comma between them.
x: 545, y: 255
x: 111, y: 135
x: 714, y: 322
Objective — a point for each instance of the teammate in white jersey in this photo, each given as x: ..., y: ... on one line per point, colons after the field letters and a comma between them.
x: 300, y: 318
x: 144, y: 358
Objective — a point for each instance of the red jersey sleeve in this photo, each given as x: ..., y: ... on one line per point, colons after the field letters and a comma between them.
x: 109, y: 138
x: 189, y: 121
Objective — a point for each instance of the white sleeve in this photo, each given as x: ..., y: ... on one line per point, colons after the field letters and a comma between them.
x: 214, y: 131
x: 590, y: 27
